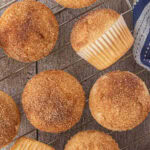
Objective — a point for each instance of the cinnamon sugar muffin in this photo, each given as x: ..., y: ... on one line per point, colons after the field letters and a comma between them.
x: 25, y: 143
x: 119, y: 101
x: 101, y: 38
x: 28, y: 31
x: 9, y: 119
x: 53, y: 101
x: 75, y: 3
x: 91, y: 140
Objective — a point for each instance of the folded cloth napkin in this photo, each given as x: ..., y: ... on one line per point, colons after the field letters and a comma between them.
x: 141, y: 19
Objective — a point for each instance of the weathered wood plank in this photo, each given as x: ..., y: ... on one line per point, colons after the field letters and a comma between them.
x: 65, y: 56
x: 30, y: 135
x: 49, y: 3
x: 67, y: 59
x: 14, y: 86
x: 141, y: 144
x: 120, y: 7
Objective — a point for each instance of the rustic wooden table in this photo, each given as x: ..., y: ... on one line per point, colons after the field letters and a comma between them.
x: 14, y: 75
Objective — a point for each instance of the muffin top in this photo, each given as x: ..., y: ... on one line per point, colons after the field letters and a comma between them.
x: 91, y: 140
x: 25, y: 143
x: 53, y: 101
x: 91, y: 27
x: 9, y: 119
x: 75, y: 3
x: 119, y: 101
x: 28, y: 31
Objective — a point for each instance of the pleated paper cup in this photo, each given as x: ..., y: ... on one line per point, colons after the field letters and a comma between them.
x: 25, y: 143
x: 108, y: 47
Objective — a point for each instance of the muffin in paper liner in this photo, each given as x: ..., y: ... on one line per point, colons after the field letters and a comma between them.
x: 112, y: 44
x: 25, y: 143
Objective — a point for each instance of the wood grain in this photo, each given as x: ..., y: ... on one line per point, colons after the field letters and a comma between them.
x: 63, y: 57
x: 140, y: 144
x: 66, y: 59
x: 13, y: 85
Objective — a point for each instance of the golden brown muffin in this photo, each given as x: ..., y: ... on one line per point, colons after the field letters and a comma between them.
x: 101, y: 38
x: 9, y: 119
x: 25, y: 143
x: 119, y: 101
x: 53, y: 101
x: 28, y: 31
x: 91, y: 140
x: 75, y: 3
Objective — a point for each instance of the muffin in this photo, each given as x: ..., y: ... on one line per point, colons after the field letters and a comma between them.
x: 53, y: 101
x: 101, y: 38
x: 119, y: 101
x: 28, y: 31
x: 91, y: 140
x: 9, y: 119
x: 25, y: 143
x: 75, y: 3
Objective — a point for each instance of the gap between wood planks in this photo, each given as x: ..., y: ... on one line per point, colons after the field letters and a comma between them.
x: 26, y: 66
x: 75, y: 17
x: 79, y: 126
x: 68, y: 65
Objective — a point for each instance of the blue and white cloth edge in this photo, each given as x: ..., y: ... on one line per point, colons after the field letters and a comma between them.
x: 141, y: 21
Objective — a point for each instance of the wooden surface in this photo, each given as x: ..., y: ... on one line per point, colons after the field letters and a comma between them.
x: 14, y: 75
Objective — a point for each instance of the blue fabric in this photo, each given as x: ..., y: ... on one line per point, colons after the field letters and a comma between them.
x: 138, y: 8
x: 145, y: 53
x: 141, y: 21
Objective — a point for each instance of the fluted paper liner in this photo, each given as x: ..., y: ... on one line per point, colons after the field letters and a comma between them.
x: 112, y: 45
x: 30, y: 144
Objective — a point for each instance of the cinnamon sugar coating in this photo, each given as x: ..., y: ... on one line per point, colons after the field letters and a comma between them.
x: 28, y: 31
x: 9, y: 119
x: 119, y: 101
x: 75, y: 3
x: 91, y: 140
x: 53, y: 101
x: 90, y: 27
